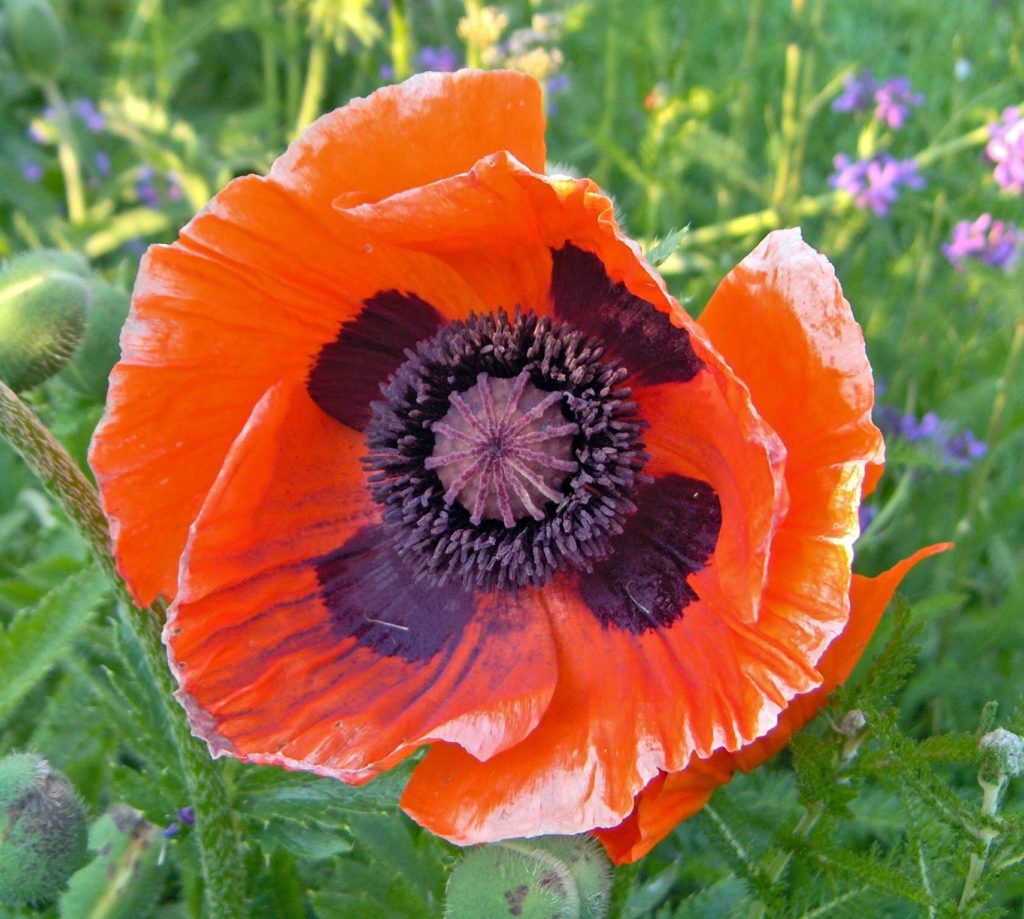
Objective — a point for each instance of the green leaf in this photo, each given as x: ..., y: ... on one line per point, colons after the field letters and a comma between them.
x: 719, y: 901
x: 38, y: 635
x: 662, y: 249
x: 270, y: 793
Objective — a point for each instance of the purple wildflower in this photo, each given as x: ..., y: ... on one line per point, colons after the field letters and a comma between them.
x: 102, y: 162
x: 933, y: 438
x: 1006, y: 150
x: 441, y: 60
x: 31, y: 171
x: 187, y: 814
x: 865, y: 514
x: 171, y: 831
x: 875, y: 182
x: 559, y: 83
x: 894, y: 100
x: 858, y: 93
x: 145, y: 190
x: 992, y: 242
x: 88, y: 112
x: 387, y: 72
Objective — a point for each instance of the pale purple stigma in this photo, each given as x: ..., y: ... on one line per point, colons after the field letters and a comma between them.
x: 504, y: 449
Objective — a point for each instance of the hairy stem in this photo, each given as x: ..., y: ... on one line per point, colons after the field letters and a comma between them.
x: 219, y: 845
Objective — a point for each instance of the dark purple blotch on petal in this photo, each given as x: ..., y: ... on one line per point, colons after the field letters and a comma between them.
x: 373, y: 597
x: 633, y: 330
x: 347, y: 373
x: 642, y: 584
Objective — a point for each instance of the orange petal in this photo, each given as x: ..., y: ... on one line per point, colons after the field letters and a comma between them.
x: 671, y: 798
x: 780, y: 321
x: 626, y: 705
x: 298, y: 638
x: 249, y: 295
x: 432, y: 126
x: 499, y: 225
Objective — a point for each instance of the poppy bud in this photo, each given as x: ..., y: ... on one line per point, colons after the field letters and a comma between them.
x: 44, y: 299
x: 42, y: 830
x: 36, y: 38
x: 99, y: 351
x: 548, y: 876
x: 1002, y: 756
x: 123, y: 881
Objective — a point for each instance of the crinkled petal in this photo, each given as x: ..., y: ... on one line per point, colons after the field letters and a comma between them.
x: 429, y: 127
x: 251, y: 293
x: 298, y: 638
x: 670, y: 798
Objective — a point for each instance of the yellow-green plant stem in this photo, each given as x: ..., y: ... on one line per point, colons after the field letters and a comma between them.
x: 316, y: 83
x: 789, y: 123
x: 67, y: 155
x: 401, y: 40
x: 474, y: 53
x: 987, y: 835
x: 216, y: 834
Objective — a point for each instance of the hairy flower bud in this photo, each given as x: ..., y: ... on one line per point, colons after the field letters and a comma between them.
x: 548, y: 876
x: 36, y: 38
x: 42, y: 830
x: 99, y: 351
x: 44, y: 300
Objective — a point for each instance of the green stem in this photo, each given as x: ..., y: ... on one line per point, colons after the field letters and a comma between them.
x: 990, y: 792
x: 401, y: 40
x: 292, y: 65
x: 219, y: 845
x: 316, y: 82
x: 781, y: 859
x: 268, y: 62
x: 788, y: 124
x: 67, y: 155
x: 602, y: 169
x: 995, y: 427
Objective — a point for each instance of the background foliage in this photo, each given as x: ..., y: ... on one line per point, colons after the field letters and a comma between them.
x: 702, y: 115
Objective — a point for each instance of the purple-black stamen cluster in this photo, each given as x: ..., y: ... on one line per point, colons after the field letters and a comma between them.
x: 437, y: 537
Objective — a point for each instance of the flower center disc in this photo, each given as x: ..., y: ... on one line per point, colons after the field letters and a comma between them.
x: 503, y: 449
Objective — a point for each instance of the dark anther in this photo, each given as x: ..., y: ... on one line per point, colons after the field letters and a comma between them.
x: 504, y: 450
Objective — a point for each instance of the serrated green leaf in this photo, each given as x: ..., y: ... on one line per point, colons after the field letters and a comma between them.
x: 306, y: 840
x: 269, y: 793
x: 39, y: 635
x: 719, y: 901
x: 662, y: 249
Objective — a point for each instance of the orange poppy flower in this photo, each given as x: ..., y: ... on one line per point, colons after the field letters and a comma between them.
x: 425, y: 453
